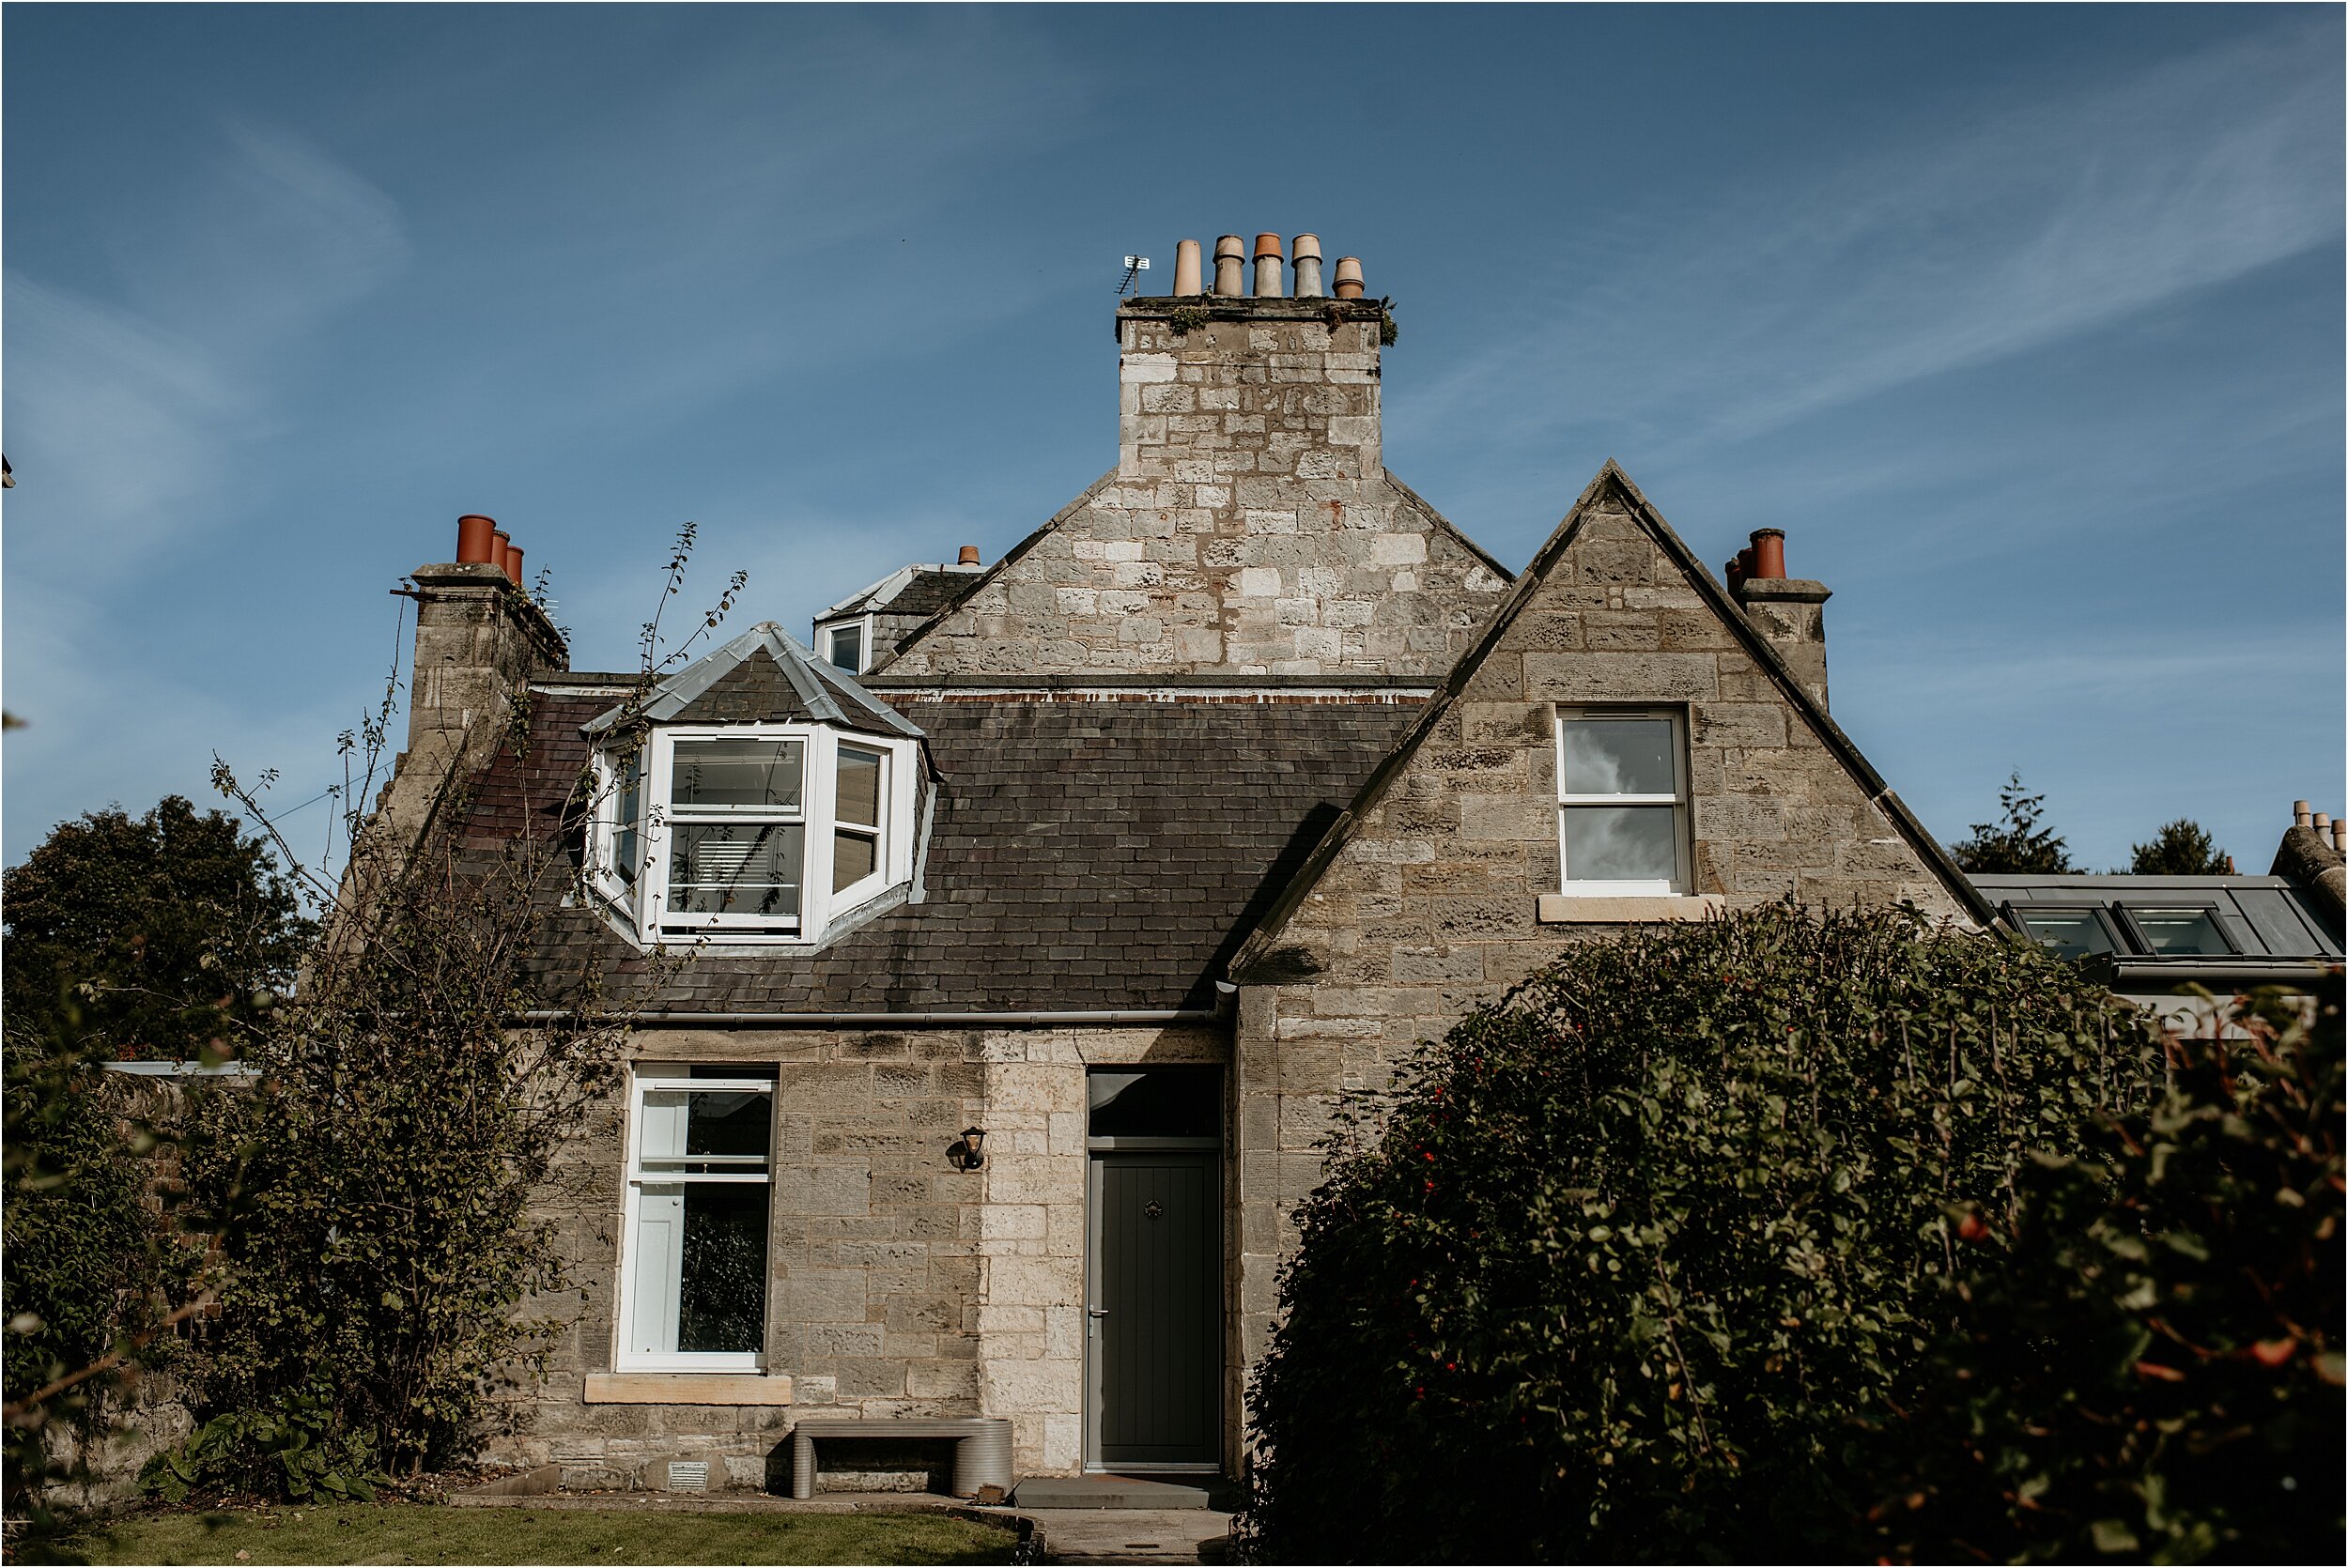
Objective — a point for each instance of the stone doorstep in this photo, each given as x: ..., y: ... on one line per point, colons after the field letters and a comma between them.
x: 1114, y: 1492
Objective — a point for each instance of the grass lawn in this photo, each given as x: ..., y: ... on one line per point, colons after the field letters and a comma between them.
x: 404, y: 1533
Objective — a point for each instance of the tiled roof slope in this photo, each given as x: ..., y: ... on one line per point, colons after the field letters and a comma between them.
x: 1083, y: 855
x: 762, y: 674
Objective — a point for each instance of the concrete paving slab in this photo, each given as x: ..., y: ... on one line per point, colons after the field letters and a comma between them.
x: 1132, y: 1534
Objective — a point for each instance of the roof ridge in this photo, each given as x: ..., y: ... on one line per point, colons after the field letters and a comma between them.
x: 819, y: 686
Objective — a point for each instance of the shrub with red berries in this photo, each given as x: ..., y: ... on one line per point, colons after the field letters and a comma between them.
x: 1616, y: 1267
x: 2151, y: 1369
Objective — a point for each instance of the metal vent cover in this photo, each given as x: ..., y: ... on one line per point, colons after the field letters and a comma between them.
x: 688, y: 1475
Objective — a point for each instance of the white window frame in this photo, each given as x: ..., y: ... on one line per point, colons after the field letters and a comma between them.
x: 1682, y: 840
x: 624, y: 1359
x: 644, y: 904
x: 863, y: 624
x: 608, y: 779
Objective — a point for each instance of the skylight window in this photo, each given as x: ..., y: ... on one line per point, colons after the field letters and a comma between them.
x: 2178, y: 933
x: 2068, y: 933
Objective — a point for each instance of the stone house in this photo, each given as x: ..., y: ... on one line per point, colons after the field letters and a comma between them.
x: 1034, y: 928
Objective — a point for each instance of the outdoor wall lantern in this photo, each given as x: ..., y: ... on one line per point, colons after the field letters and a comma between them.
x: 970, y: 1153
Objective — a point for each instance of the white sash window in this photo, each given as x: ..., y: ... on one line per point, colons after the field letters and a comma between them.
x: 1622, y: 802
x: 693, y: 1264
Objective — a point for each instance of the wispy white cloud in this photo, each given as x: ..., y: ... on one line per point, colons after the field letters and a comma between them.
x: 1932, y: 256
x: 122, y: 418
x: 128, y: 396
x: 271, y: 236
x: 137, y: 401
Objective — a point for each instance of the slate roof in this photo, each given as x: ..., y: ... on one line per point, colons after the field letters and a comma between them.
x: 1083, y: 855
x: 931, y: 590
x: 914, y: 590
x: 764, y: 674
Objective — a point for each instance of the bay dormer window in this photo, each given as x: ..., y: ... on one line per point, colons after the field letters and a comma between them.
x: 757, y: 832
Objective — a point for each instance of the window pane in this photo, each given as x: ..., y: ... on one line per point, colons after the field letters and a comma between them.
x: 1160, y: 1102
x: 1621, y: 843
x: 736, y: 772
x: 2067, y: 933
x: 853, y: 857
x: 2180, y: 930
x: 628, y: 844
x: 680, y: 1123
x: 847, y: 648
x: 860, y: 786
x: 1619, y: 757
x: 735, y: 868
x: 719, y: 1259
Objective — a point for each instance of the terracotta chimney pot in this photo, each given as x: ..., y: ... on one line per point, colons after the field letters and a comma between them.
x: 1268, y: 282
x: 1768, y: 552
x: 2300, y: 814
x: 1231, y: 256
x: 513, y: 564
x: 1186, y: 275
x: 1306, y: 251
x: 477, y: 538
x: 970, y: 552
x: 1348, y: 277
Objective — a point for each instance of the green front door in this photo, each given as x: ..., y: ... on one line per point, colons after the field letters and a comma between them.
x: 1153, y: 1346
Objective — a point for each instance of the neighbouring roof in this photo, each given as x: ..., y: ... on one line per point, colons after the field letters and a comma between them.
x: 907, y: 590
x: 2267, y: 922
x: 1082, y: 855
x: 764, y: 674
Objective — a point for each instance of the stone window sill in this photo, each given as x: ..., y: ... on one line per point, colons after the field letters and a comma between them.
x: 1565, y: 908
x: 687, y: 1387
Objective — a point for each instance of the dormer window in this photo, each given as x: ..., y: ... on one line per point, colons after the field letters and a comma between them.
x: 844, y: 645
x: 758, y: 795
x: 752, y: 832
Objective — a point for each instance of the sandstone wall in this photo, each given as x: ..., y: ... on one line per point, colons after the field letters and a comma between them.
x: 899, y: 1284
x: 1432, y: 906
x: 1249, y: 526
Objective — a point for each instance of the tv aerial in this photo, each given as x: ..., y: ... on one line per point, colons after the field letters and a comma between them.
x: 1135, y: 267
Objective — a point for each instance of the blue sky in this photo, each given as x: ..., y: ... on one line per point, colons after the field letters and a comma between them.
x: 2024, y: 322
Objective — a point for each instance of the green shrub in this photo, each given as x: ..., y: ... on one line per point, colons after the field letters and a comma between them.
x: 1626, y: 1256
x: 94, y: 1262
x: 2154, y: 1368
x: 379, y: 1278
x: 293, y: 1450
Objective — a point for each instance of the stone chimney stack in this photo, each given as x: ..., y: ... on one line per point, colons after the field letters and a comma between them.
x: 2311, y: 856
x: 479, y: 640
x: 1790, y: 611
x: 1249, y: 527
